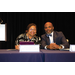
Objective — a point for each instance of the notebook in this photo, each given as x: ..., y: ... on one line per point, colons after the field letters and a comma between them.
x: 26, y: 43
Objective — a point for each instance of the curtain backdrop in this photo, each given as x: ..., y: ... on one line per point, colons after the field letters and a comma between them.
x: 18, y: 21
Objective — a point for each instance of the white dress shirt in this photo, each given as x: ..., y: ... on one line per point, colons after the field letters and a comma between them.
x: 51, y: 38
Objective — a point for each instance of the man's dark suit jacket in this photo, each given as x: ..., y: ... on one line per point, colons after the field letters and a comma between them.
x: 58, y: 38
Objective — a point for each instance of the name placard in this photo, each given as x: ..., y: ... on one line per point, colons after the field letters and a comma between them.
x: 29, y: 48
x: 72, y: 48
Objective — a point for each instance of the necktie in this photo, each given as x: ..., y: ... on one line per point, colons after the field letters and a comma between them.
x: 49, y: 35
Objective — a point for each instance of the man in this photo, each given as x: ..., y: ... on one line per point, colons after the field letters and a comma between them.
x: 53, y: 39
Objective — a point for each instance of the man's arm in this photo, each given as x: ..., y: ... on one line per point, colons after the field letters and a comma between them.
x: 43, y: 42
x: 44, y: 45
x: 54, y: 46
x: 64, y: 41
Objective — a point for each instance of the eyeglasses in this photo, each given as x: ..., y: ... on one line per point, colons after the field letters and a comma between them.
x: 32, y: 29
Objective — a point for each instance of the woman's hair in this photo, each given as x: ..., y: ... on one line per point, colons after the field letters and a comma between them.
x: 29, y: 25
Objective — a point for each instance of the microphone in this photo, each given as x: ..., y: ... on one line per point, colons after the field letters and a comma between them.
x: 34, y: 40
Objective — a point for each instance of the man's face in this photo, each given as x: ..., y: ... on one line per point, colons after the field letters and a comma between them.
x: 48, y: 27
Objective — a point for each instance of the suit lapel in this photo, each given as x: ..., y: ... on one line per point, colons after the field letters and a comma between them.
x: 47, y: 40
x: 54, y: 37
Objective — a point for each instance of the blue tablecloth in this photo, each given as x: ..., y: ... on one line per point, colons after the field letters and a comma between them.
x: 16, y: 56
x: 42, y: 56
x: 58, y: 56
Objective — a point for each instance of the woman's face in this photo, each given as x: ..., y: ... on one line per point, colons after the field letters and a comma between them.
x: 32, y: 30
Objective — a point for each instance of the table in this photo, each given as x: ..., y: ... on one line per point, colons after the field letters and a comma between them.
x: 16, y: 56
x: 58, y: 56
x: 12, y: 55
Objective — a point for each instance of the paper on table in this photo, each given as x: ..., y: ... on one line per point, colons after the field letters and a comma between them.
x: 67, y: 49
x: 29, y: 48
x: 72, y: 48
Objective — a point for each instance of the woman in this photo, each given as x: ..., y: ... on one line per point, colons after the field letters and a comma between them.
x: 30, y: 35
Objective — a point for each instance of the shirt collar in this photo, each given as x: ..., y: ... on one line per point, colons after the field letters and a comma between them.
x: 52, y: 33
x: 49, y: 34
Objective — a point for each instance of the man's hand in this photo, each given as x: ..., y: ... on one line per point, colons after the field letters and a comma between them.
x: 53, y: 46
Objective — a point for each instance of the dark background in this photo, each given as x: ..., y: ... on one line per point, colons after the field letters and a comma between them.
x: 18, y: 21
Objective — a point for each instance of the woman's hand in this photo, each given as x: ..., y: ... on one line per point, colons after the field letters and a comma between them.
x: 17, y: 47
